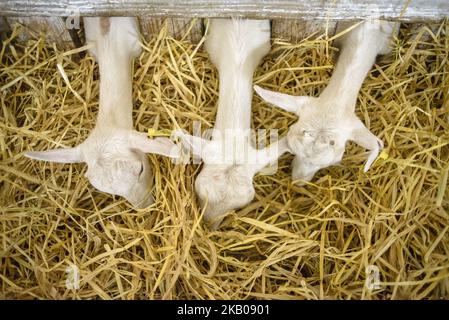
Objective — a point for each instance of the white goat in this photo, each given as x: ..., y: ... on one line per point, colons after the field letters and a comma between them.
x: 325, y: 123
x: 230, y: 162
x: 114, y: 152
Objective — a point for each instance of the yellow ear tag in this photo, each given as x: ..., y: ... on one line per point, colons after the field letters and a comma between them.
x: 383, y: 155
x: 159, y: 133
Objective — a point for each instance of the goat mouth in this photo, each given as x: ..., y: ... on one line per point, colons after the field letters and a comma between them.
x: 144, y: 202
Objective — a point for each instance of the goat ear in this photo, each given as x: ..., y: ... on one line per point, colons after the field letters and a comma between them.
x: 364, y: 138
x: 162, y: 146
x: 284, y: 101
x: 69, y: 155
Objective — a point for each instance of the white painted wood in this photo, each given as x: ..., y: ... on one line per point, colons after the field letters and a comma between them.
x: 403, y: 10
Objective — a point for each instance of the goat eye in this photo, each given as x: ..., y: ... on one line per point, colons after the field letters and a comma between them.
x: 141, y: 169
x: 332, y: 142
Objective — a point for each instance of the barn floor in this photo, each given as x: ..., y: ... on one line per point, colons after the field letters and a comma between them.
x: 312, y: 242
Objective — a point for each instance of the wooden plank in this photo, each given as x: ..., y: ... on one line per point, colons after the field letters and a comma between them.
x: 54, y: 29
x: 4, y: 28
x: 404, y: 10
x: 296, y: 30
x: 3, y: 25
x: 178, y: 28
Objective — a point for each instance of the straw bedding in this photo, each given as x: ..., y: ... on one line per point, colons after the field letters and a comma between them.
x: 311, y: 242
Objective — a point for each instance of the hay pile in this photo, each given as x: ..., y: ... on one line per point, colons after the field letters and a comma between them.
x: 292, y: 242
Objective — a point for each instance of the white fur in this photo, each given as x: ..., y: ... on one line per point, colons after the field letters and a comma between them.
x: 325, y: 123
x: 230, y: 162
x: 114, y: 152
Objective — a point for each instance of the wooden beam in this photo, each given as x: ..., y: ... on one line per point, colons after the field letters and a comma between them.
x: 403, y: 10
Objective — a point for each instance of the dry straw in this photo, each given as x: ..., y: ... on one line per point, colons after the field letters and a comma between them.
x: 312, y: 242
